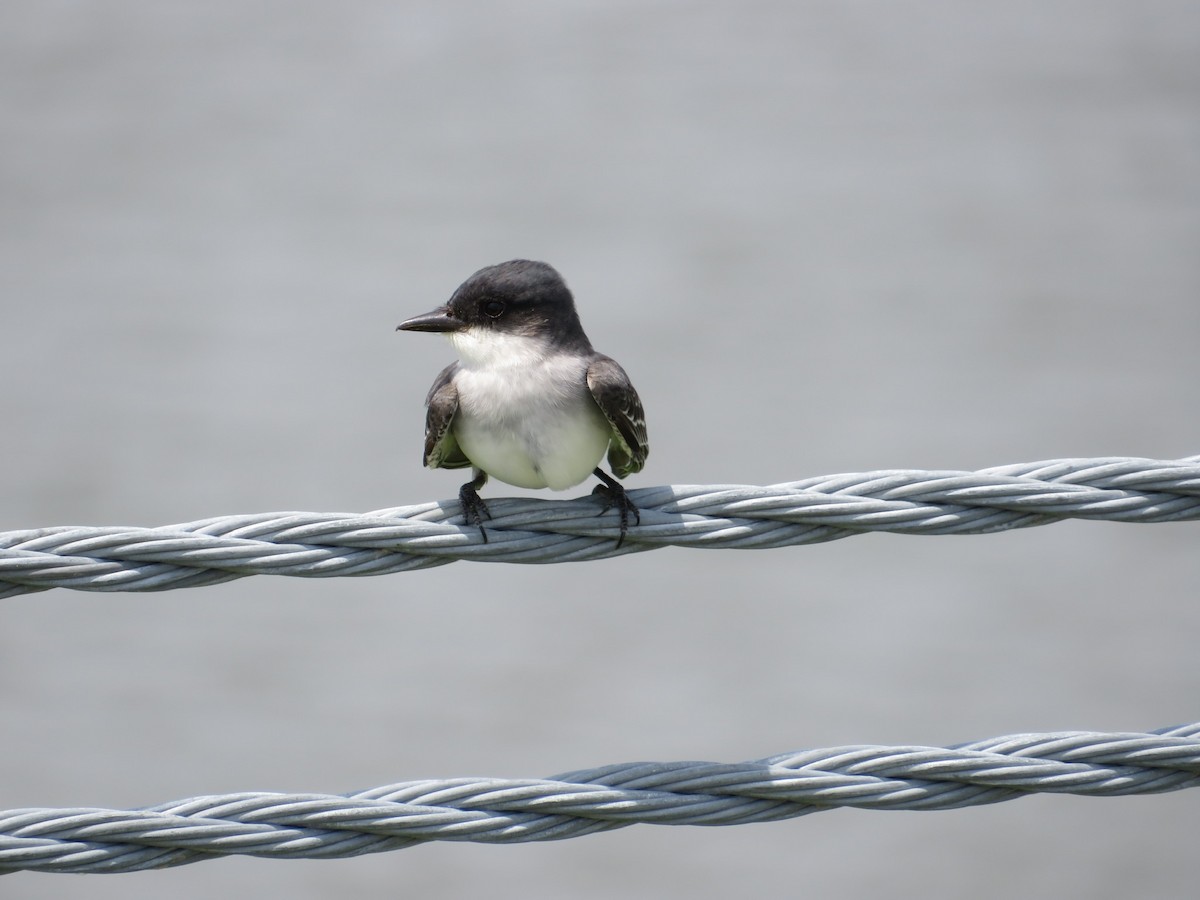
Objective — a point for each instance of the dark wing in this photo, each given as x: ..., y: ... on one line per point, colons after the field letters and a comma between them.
x: 614, y: 394
x: 441, y: 449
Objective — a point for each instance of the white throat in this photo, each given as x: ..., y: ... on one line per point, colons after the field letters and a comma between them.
x: 482, y: 348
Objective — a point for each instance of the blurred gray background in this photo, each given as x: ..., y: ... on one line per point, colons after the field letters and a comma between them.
x: 821, y: 236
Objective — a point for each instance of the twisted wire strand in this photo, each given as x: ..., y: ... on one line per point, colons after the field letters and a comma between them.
x: 500, y: 810
x: 824, y: 508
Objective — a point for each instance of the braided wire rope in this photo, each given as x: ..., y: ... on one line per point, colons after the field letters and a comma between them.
x: 498, y: 810
x: 822, y: 508
x: 501, y: 811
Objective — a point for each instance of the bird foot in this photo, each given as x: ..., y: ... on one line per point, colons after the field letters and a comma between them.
x: 474, y: 510
x: 613, y: 494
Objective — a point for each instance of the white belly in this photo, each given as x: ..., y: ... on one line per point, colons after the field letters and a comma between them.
x: 541, y: 430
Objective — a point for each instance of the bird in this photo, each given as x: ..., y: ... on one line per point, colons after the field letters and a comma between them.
x: 529, y: 401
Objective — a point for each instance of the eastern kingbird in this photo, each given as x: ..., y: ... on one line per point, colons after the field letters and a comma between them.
x: 529, y: 401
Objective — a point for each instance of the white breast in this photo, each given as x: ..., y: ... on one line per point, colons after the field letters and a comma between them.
x: 524, y: 416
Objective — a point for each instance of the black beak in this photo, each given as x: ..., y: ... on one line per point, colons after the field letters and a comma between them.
x: 437, y: 321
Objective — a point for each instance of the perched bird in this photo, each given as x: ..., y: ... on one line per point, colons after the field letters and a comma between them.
x: 529, y: 401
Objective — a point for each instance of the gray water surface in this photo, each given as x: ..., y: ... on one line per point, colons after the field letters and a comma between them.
x: 821, y: 237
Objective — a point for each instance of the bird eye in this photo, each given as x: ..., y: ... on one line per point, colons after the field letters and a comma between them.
x: 494, y: 308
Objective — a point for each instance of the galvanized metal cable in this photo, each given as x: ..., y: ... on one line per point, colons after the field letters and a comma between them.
x: 502, y: 810
x: 824, y: 508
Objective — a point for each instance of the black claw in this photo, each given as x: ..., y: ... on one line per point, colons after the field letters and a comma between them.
x: 474, y: 510
x: 614, y: 494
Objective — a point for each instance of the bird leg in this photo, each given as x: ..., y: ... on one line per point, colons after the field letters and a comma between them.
x: 614, y: 495
x: 474, y: 510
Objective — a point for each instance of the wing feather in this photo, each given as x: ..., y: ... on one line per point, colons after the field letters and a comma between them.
x: 441, y: 449
x: 614, y: 394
